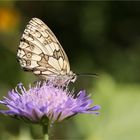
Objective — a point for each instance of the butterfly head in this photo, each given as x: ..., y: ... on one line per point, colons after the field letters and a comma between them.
x: 72, y: 77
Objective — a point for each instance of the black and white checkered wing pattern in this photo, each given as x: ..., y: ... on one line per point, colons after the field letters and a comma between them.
x: 40, y: 51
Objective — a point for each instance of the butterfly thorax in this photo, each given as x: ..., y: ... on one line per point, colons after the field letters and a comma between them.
x: 62, y: 80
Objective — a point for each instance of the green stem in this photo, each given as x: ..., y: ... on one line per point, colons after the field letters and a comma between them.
x: 46, y: 137
x: 45, y: 132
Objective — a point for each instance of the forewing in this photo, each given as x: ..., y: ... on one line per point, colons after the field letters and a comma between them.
x: 40, y: 51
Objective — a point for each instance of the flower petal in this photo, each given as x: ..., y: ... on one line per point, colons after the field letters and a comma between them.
x: 46, y: 100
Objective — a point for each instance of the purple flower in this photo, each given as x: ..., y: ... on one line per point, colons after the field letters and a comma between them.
x: 46, y: 100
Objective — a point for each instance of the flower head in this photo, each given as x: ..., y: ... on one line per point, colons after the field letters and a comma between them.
x: 48, y: 101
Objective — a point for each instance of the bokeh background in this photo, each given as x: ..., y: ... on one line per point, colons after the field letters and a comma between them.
x: 98, y: 37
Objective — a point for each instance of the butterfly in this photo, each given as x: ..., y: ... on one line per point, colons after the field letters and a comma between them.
x: 41, y: 53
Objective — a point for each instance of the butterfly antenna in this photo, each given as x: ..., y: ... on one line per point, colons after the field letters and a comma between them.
x: 88, y: 74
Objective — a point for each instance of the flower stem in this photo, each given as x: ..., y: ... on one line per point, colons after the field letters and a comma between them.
x: 45, y: 132
x: 46, y: 137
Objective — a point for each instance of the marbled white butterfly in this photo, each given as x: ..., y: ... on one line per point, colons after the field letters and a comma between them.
x: 40, y: 52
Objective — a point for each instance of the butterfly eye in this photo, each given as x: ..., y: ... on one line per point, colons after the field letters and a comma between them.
x: 73, y: 79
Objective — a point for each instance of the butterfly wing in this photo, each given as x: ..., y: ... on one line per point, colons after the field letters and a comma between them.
x: 40, y: 51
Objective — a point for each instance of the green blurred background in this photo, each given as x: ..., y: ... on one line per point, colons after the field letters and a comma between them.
x: 98, y: 37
